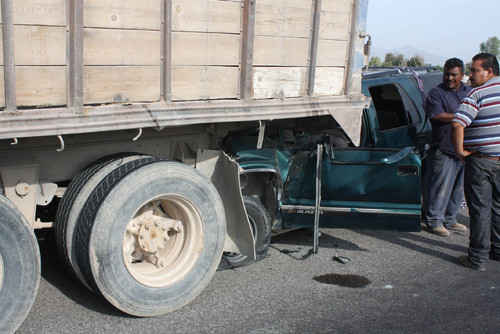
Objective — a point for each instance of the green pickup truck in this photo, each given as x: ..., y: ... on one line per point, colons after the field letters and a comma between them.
x: 375, y: 185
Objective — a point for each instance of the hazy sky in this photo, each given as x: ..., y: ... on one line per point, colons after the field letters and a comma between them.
x: 447, y: 28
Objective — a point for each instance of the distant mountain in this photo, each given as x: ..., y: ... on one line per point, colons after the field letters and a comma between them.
x: 409, y: 51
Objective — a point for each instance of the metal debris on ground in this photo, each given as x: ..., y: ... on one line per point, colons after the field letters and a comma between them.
x: 341, y: 259
x: 297, y: 254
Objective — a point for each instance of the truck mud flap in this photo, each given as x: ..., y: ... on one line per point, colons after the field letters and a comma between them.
x: 224, y: 174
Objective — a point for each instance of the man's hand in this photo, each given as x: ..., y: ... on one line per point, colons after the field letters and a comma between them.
x: 465, y: 154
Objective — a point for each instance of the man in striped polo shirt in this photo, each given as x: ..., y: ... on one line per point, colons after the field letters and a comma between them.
x: 475, y: 133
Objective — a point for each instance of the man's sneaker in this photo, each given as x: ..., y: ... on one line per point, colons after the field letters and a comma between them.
x: 493, y: 257
x: 440, y: 230
x: 457, y: 227
x: 464, y: 261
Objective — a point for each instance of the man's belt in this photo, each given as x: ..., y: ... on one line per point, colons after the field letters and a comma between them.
x: 484, y: 156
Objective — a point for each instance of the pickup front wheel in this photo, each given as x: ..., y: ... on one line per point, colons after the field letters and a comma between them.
x: 260, y: 223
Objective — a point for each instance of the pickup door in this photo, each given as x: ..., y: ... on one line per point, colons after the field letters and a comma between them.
x: 396, y: 116
x: 363, y: 188
x: 360, y: 187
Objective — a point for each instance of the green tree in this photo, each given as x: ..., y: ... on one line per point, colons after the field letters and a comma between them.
x: 389, y: 59
x: 492, y: 45
x: 375, y: 61
x: 394, y: 59
x: 467, y: 68
x: 415, y: 61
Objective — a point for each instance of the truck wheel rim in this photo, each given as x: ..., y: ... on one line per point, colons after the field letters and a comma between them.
x: 163, y: 241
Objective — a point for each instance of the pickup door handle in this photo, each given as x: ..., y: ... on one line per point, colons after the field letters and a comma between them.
x: 385, y: 161
x: 407, y: 170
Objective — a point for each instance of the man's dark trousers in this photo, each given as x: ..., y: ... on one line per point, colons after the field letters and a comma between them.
x: 482, y: 191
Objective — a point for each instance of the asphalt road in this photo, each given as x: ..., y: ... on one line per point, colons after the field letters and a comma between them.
x: 360, y: 282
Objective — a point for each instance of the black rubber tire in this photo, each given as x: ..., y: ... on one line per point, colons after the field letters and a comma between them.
x: 103, y: 223
x: 260, y: 223
x: 72, y: 202
x: 19, y: 267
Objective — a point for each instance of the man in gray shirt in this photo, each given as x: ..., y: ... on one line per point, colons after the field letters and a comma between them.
x: 443, y: 183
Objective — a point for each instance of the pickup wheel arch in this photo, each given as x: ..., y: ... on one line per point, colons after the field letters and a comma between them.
x: 266, y: 186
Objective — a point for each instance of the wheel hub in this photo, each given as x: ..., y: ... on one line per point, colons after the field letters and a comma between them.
x: 153, y: 234
x: 151, y: 230
x: 162, y: 241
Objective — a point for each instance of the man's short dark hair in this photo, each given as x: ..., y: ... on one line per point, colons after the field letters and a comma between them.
x: 488, y: 61
x: 455, y: 62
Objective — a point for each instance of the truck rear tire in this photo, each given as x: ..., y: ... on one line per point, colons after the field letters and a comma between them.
x: 72, y: 202
x: 260, y: 222
x: 19, y: 267
x: 150, y: 236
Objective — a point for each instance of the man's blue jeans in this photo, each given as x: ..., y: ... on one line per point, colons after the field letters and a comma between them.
x: 443, y: 189
x: 482, y: 191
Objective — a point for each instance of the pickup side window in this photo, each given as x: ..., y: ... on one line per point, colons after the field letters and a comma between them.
x: 390, y: 107
x: 411, y: 109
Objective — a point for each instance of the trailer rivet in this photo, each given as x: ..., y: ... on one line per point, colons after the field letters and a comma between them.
x: 22, y: 189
